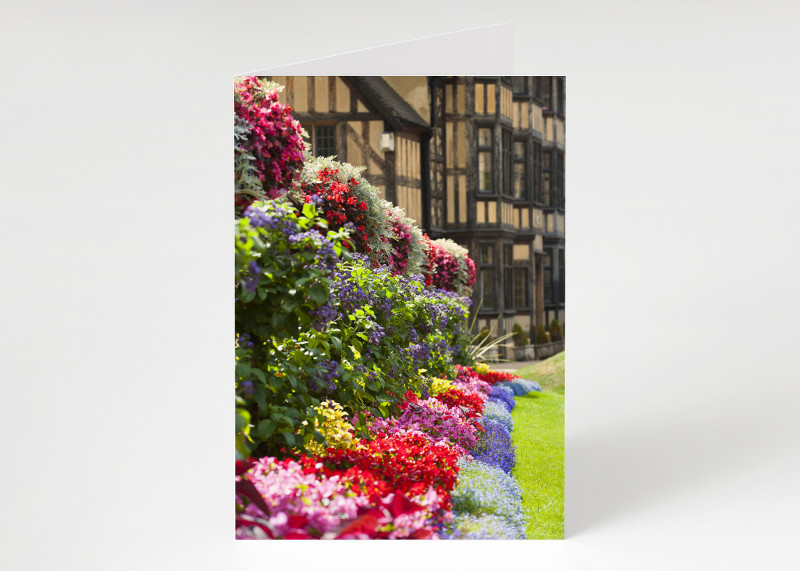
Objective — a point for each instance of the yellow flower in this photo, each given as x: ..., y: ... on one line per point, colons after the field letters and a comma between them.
x: 333, y: 426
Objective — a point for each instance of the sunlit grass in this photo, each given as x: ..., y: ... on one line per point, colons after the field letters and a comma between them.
x: 548, y: 373
x: 539, y: 437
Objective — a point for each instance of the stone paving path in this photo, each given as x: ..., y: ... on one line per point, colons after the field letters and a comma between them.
x: 510, y: 365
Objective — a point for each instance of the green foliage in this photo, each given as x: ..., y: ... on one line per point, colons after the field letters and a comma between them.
x: 311, y: 326
x: 245, y: 172
x: 483, y: 336
x: 542, y: 336
x: 483, y: 344
x: 279, y: 283
x: 520, y: 338
x: 556, y: 334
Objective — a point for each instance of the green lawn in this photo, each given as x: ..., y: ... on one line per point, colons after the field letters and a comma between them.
x: 548, y: 373
x: 539, y: 437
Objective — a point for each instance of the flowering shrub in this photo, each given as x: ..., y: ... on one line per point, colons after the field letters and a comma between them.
x: 439, y: 422
x: 486, y: 490
x: 298, y: 504
x: 283, y: 268
x: 494, y: 446
x: 384, y: 329
x: 470, y: 403
x: 287, y: 502
x: 334, y: 427
x: 468, y: 380
x: 429, y: 263
x: 405, y: 462
x: 450, y: 266
x: 337, y: 336
x: 494, y: 377
x: 481, y: 368
x: 397, y: 517
x: 269, y: 147
x: 409, y: 250
x: 349, y: 200
x: 314, y: 327
x: 438, y: 386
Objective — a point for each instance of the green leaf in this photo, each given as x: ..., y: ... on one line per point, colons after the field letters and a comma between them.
x: 308, y: 210
x: 243, y: 369
x: 289, y: 438
x: 242, y: 419
x: 319, y: 293
x: 260, y: 374
x: 246, y: 296
x: 266, y: 428
x: 337, y: 343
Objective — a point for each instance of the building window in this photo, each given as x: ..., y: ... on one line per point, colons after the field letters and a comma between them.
x: 487, y: 288
x: 547, y: 157
x: 560, y: 95
x: 547, y: 99
x: 537, y: 88
x: 553, y: 178
x: 507, y: 180
x: 508, y: 275
x: 537, y: 171
x: 486, y: 261
x: 520, y: 169
x: 561, y: 282
x: 482, y: 93
x: 561, y: 181
x: 521, y: 287
x: 520, y: 85
x: 485, y: 159
x: 323, y: 139
x: 485, y: 257
x: 547, y: 277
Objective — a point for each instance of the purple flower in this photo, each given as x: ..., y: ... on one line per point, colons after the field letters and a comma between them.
x: 324, y: 314
x: 322, y: 380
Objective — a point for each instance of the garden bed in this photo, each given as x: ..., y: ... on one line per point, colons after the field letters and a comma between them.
x: 360, y: 412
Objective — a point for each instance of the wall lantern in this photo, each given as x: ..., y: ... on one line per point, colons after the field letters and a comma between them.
x: 387, y: 141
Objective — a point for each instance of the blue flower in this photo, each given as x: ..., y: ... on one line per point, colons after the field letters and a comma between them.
x: 497, y: 411
x: 494, y: 446
x: 504, y: 395
x: 487, y: 504
x: 523, y: 387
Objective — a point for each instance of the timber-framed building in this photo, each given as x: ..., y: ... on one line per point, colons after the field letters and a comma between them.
x: 479, y: 160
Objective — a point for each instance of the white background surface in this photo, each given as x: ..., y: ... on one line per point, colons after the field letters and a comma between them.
x: 682, y: 414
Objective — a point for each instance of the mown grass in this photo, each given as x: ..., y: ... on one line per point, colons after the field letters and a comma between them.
x: 539, y: 437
